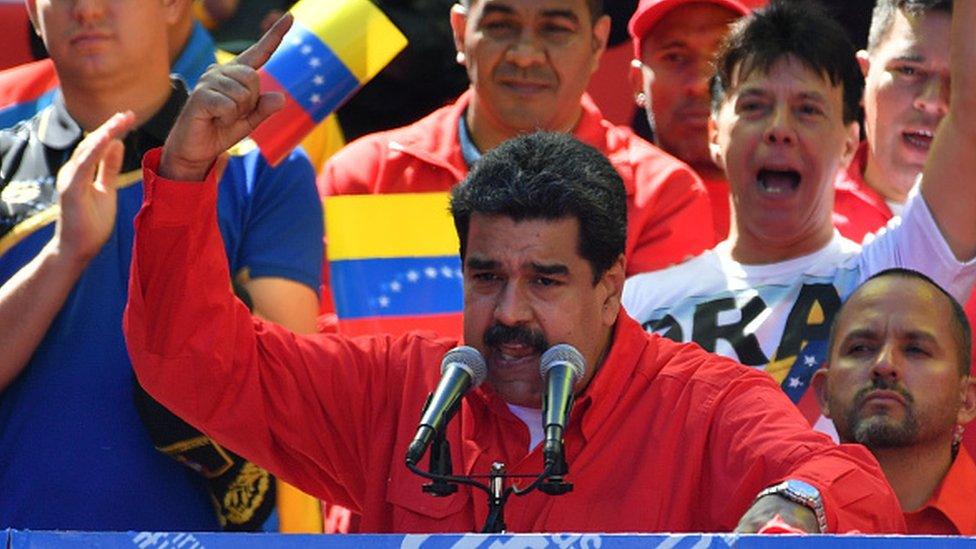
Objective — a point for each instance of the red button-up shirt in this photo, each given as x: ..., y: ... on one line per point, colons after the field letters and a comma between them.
x: 950, y: 510
x: 666, y: 437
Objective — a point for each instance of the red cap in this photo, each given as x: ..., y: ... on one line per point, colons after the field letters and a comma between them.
x: 649, y: 12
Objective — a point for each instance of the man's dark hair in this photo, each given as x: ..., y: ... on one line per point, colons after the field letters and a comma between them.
x: 884, y: 15
x: 549, y: 176
x: 594, y: 6
x: 798, y: 29
x: 961, y: 330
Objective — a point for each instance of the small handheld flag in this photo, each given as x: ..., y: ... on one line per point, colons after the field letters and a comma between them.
x: 332, y: 49
x: 394, y: 265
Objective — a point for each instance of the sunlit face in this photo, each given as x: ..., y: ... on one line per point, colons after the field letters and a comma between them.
x: 526, y: 288
x: 894, y: 378
x: 529, y: 62
x: 781, y: 138
x: 676, y: 65
x: 92, y: 39
x: 906, y: 94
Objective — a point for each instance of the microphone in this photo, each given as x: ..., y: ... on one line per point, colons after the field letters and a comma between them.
x: 462, y: 368
x: 561, y: 366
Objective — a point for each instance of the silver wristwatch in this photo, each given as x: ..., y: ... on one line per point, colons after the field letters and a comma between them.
x: 803, y: 493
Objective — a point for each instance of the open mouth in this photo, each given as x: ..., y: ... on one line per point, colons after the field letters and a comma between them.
x: 919, y: 139
x: 778, y: 181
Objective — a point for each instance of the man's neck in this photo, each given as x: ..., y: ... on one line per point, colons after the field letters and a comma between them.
x: 915, y: 472
x: 487, y: 134
x: 758, y: 251
x: 708, y: 171
x: 91, y: 103
x: 887, y: 187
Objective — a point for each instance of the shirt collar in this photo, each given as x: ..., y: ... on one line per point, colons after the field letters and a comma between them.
x: 469, y: 151
x: 59, y: 131
x: 601, y: 396
x: 197, y: 55
x: 953, y: 497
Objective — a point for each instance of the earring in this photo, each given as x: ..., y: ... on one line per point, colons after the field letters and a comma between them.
x: 459, y: 58
x: 957, y: 434
x: 641, y: 100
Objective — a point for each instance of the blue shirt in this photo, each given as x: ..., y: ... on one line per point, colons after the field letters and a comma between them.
x: 73, y: 451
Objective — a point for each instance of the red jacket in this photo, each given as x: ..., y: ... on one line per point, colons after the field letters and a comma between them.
x: 666, y: 437
x: 667, y: 206
x: 858, y: 209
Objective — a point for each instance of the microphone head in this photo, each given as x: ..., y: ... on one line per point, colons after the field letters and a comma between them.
x: 563, y: 353
x: 469, y: 359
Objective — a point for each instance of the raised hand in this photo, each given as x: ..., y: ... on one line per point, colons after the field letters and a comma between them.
x: 224, y: 108
x: 86, y: 190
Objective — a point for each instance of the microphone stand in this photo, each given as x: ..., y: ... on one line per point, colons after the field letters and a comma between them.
x: 549, y: 482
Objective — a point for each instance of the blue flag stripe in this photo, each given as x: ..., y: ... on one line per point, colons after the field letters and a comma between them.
x: 310, y: 71
x: 399, y: 286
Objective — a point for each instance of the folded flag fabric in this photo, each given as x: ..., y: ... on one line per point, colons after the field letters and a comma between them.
x: 26, y: 90
x: 393, y: 263
x: 332, y: 49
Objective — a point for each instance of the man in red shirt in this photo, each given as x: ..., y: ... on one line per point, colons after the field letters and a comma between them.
x: 906, y: 95
x: 898, y: 382
x: 674, y: 45
x: 683, y: 440
x: 529, y: 63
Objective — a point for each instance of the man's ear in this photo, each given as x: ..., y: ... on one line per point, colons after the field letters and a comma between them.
x: 967, y: 397
x: 459, y: 21
x: 612, y: 284
x: 175, y: 9
x: 601, y: 34
x: 863, y: 61
x: 713, y: 147
x: 851, y: 142
x: 819, y: 385
x: 32, y: 13
x: 636, y: 77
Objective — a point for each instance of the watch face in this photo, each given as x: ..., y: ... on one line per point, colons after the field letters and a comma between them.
x: 803, y: 489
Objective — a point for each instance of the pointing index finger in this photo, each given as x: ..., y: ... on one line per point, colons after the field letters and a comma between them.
x: 257, y: 55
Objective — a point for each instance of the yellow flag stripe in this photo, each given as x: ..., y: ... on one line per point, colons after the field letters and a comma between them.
x: 390, y: 225
x: 360, y: 35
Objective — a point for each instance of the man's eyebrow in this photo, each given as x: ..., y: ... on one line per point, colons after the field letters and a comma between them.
x: 860, y: 333
x: 480, y: 264
x: 561, y: 13
x: 497, y: 9
x: 910, y: 58
x: 813, y: 96
x: 550, y: 269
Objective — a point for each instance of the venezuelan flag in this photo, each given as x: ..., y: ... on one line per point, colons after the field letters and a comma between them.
x: 393, y: 263
x: 331, y: 50
x: 26, y: 90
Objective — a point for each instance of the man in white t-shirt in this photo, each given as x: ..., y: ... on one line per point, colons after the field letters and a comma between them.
x: 783, y: 123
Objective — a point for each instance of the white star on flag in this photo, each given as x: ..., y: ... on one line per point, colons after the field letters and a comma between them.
x: 384, y: 301
x: 446, y: 272
x: 306, y: 49
x: 296, y: 41
x: 795, y: 382
x: 458, y: 273
x: 413, y: 276
x: 395, y: 286
x: 318, y: 80
x: 430, y: 272
x: 809, y: 360
x: 315, y: 98
x: 314, y: 62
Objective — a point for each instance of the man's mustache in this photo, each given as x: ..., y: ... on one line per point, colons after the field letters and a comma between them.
x: 500, y: 334
x: 882, y: 384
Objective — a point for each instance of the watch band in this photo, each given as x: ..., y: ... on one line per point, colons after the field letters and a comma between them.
x: 803, y: 493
